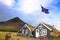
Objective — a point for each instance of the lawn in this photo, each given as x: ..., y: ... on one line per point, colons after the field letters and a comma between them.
x: 14, y: 37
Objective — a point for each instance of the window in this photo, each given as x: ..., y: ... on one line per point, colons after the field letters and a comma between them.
x: 37, y: 30
x: 44, y: 31
x: 26, y: 31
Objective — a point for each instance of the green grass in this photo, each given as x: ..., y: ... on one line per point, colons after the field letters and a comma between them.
x: 2, y: 35
x: 54, y: 38
x: 1, y: 39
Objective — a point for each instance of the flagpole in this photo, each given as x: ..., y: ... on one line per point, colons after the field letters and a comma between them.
x: 45, y: 10
x: 40, y: 15
x: 40, y: 21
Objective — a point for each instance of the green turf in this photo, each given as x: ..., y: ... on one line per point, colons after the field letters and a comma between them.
x: 1, y: 39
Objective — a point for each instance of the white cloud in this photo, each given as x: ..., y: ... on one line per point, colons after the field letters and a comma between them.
x: 30, y: 6
x: 57, y: 26
x: 27, y: 6
x: 8, y: 2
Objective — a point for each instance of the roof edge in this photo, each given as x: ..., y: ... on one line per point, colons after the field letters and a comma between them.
x: 47, y: 27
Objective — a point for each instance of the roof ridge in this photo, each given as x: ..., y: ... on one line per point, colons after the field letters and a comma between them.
x: 47, y: 26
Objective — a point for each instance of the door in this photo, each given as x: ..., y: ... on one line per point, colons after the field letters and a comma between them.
x: 37, y: 33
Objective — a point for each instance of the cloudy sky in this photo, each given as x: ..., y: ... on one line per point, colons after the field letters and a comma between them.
x: 30, y: 11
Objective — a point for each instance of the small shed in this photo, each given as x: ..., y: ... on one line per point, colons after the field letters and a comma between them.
x: 42, y: 30
x: 26, y: 30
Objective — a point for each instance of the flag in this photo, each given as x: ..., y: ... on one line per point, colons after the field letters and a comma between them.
x: 45, y: 10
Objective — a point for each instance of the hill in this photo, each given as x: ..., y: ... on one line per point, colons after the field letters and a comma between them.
x: 11, y: 25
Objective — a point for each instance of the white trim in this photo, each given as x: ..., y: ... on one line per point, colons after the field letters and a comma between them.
x: 28, y: 27
x: 47, y: 27
x: 34, y: 28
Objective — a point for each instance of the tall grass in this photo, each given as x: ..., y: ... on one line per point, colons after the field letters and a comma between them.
x: 53, y: 38
x: 1, y: 39
x: 2, y: 35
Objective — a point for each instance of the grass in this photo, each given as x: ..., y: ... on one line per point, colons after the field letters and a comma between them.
x: 54, y: 38
x: 2, y: 37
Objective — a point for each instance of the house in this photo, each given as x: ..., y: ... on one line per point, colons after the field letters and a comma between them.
x: 26, y: 30
x: 42, y: 30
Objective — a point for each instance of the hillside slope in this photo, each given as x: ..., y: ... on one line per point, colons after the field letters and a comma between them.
x: 12, y: 24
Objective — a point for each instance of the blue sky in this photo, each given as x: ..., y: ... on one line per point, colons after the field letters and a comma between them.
x: 30, y: 11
